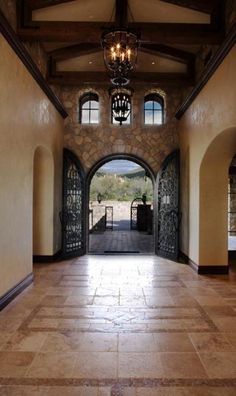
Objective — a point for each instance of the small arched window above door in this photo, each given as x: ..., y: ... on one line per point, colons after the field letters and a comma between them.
x: 153, y: 109
x: 89, y: 108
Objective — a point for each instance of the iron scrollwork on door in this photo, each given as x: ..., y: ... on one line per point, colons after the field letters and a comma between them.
x: 72, y: 214
x: 168, y: 218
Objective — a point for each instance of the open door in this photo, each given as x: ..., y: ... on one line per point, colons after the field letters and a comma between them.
x: 168, y: 219
x: 73, y: 211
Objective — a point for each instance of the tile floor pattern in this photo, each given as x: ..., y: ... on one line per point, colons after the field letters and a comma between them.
x: 121, y: 241
x: 120, y: 326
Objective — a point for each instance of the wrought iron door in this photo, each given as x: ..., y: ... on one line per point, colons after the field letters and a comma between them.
x: 73, y: 212
x: 167, y: 224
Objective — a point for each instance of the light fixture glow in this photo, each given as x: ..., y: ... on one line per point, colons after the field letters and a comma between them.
x: 120, y: 54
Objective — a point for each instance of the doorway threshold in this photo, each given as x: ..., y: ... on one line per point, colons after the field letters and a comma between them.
x: 121, y: 251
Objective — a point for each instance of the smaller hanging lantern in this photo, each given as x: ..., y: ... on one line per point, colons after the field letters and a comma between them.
x: 120, y: 103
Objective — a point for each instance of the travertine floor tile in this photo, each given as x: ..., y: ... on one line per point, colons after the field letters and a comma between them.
x: 84, y: 342
x: 140, y: 365
x: 15, y: 364
x: 174, y: 342
x: 231, y: 337
x: 214, y: 342
x: 21, y: 390
x: 96, y: 364
x: 186, y: 391
x: 52, y: 365
x: 182, y: 365
x: 25, y: 341
x: 73, y: 391
x: 225, y: 324
x: 219, y: 364
x: 136, y: 342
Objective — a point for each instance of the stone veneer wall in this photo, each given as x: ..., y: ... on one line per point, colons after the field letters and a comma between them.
x: 91, y: 143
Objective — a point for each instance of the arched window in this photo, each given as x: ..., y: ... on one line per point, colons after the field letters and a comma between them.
x: 89, y: 109
x: 153, y: 109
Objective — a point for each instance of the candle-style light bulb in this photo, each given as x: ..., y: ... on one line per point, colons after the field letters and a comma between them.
x: 128, y: 54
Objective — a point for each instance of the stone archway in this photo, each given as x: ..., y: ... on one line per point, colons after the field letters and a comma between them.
x: 102, y: 162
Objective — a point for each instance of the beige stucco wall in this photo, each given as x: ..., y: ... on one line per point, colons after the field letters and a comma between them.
x: 92, y: 143
x: 27, y: 120
x: 208, y: 143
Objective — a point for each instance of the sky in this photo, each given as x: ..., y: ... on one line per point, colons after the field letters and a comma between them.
x: 119, y: 166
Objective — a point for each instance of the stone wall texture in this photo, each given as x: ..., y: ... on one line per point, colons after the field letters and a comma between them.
x: 92, y: 143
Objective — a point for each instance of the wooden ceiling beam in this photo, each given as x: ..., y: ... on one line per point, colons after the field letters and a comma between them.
x: 74, y: 50
x: 90, y: 32
x: 37, y: 4
x: 168, y: 52
x: 77, y: 78
x: 205, y: 6
x: 121, y: 17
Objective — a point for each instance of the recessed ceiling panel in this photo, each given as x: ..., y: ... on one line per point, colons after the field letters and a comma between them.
x: 192, y: 48
x: 93, y: 63
x: 158, y: 11
x: 79, y: 10
x: 156, y: 64
x: 147, y: 63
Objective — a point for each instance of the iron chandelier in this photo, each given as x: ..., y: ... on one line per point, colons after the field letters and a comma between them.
x: 120, y: 48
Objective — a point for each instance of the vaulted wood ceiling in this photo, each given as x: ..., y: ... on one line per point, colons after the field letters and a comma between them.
x: 171, y: 32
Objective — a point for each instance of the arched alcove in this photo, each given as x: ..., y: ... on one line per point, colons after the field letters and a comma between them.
x: 43, y: 201
x: 213, y: 199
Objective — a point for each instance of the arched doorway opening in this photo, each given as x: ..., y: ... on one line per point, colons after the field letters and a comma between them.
x: 232, y: 212
x: 76, y: 193
x: 43, y: 201
x: 213, y: 201
x: 120, y: 192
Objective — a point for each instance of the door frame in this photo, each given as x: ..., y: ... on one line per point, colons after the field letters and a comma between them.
x: 87, y: 178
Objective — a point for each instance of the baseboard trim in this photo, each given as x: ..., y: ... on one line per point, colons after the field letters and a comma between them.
x: 205, y: 269
x: 48, y: 259
x: 14, y: 291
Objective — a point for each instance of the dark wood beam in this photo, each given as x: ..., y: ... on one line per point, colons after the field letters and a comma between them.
x: 77, y: 78
x: 74, y: 50
x: 205, y: 6
x: 90, y: 32
x: 121, y: 18
x: 218, y: 15
x: 168, y: 52
x: 36, y: 4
